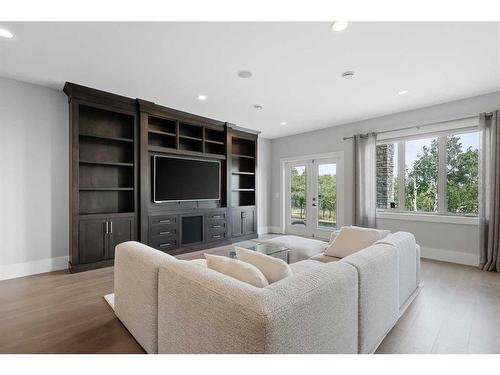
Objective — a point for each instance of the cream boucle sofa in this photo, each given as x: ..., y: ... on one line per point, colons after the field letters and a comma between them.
x: 340, y: 306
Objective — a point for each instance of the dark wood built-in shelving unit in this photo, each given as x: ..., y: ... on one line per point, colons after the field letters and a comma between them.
x: 112, y: 142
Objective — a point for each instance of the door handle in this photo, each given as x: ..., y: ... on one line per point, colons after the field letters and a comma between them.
x: 314, y: 205
x: 106, y: 228
x: 111, y: 226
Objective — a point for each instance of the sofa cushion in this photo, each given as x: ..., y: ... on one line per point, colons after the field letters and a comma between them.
x: 304, y: 265
x: 274, y: 269
x: 237, y: 269
x: 301, y: 248
x: 324, y: 258
x: 352, y: 239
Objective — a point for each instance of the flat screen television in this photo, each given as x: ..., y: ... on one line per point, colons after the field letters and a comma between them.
x: 178, y: 179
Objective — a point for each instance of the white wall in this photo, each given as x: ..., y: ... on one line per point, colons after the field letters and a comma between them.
x: 33, y: 180
x: 453, y: 242
x: 263, y: 185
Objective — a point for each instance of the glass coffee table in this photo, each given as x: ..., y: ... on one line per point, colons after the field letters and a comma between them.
x: 267, y: 249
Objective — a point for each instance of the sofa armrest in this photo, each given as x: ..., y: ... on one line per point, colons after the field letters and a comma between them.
x: 136, y: 290
x: 378, y: 272
x: 203, y: 311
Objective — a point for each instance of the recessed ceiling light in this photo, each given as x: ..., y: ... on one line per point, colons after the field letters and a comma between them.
x: 244, y: 74
x: 402, y: 92
x: 282, y: 123
x: 6, y: 33
x: 202, y: 97
x: 257, y: 106
x: 348, y: 74
x: 339, y: 25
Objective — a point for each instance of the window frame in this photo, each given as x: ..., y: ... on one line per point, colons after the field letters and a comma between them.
x: 442, y: 215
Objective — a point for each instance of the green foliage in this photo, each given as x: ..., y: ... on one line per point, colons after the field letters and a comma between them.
x: 462, y: 173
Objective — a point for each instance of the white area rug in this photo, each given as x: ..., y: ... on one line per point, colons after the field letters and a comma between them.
x: 110, y: 299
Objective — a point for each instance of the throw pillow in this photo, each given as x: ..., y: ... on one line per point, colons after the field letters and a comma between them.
x: 352, y: 239
x: 274, y: 269
x: 237, y: 269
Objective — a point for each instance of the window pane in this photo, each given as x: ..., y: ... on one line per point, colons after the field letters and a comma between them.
x: 421, y: 174
x: 387, y: 175
x: 298, y: 195
x: 463, y: 173
x: 327, y: 196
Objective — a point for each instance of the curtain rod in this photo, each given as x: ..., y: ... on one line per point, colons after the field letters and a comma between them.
x: 418, y: 126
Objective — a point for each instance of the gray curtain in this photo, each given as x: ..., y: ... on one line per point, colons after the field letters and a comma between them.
x: 365, y: 185
x: 489, y: 202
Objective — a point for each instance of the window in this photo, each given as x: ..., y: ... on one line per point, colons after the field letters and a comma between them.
x: 437, y: 174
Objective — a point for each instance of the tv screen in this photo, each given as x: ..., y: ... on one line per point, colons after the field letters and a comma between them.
x: 185, y: 179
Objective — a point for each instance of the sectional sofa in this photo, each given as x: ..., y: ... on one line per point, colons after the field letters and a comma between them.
x: 327, y: 306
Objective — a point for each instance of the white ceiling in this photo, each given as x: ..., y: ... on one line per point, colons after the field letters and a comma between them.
x: 296, y: 66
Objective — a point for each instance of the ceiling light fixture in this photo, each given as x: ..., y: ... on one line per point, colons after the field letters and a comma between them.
x: 348, y: 74
x: 244, y: 74
x: 202, y: 97
x: 6, y: 33
x: 339, y: 25
x: 402, y: 92
x: 257, y: 106
x: 282, y: 123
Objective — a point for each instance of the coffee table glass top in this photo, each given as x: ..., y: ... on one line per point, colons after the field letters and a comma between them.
x: 268, y: 249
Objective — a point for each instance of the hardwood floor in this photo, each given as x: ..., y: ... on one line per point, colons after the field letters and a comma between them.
x: 457, y: 311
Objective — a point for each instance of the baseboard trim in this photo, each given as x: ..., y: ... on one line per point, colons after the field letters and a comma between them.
x: 276, y: 230
x: 450, y: 256
x: 12, y: 271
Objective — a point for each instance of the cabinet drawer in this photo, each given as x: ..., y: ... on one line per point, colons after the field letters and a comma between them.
x: 215, y: 216
x: 163, y: 220
x: 216, y: 226
x: 216, y: 236
x: 163, y: 230
x: 164, y: 243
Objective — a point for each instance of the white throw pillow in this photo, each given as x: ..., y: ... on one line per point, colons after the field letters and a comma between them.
x: 334, y: 234
x: 237, y: 269
x: 352, y: 239
x: 274, y: 269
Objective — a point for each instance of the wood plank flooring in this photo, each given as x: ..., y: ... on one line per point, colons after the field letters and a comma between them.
x: 457, y: 311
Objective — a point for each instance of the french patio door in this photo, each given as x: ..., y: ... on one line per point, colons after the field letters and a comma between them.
x: 313, y: 188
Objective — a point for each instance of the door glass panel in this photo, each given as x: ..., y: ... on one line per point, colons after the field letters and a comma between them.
x: 298, y: 181
x: 327, y: 196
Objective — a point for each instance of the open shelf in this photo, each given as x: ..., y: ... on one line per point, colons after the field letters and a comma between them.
x: 102, y: 202
x: 192, y: 138
x: 190, y: 144
x: 190, y: 131
x: 214, y: 136
x: 243, y: 156
x: 161, y: 125
x: 214, y: 142
x: 243, y: 148
x: 242, y: 198
x: 161, y: 139
x: 161, y: 132
x: 106, y: 163
x: 106, y: 124
x: 116, y: 139
x: 106, y: 188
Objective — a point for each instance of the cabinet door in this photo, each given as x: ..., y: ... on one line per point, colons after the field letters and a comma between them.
x: 120, y: 230
x: 249, y: 221
x: 92, y: 240
x: 236, y: 223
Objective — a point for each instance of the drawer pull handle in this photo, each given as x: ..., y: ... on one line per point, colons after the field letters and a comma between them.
x: 165, y: 244
x: 217, y: 236
x: 216, y: 226
x: 216, y: 216
x: 164, y: 233
x: 165, y: 221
